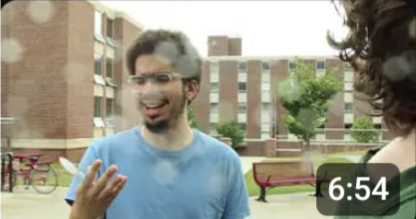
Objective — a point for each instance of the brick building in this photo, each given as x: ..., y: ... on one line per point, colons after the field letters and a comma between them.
x: 245, y: 88
x: 63, y: 75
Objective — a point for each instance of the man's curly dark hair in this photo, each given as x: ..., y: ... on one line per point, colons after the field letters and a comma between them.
x: 173, y: 45
x: 381, y: 48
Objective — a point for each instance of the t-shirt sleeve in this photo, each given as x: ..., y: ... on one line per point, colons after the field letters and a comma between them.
x: 88, y: 158
x: 237, y: 203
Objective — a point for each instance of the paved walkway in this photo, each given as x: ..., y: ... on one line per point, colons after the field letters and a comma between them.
x: 247, y: 162
x: 25, y: 203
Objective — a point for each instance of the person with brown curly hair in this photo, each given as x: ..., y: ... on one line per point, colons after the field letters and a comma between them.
x: 381, y: 47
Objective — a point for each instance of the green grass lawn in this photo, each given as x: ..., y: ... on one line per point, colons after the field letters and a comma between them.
x: 64, y: 178
x: 254, y: 190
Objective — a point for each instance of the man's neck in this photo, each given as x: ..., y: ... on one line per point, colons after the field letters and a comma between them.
x: 176, y: 138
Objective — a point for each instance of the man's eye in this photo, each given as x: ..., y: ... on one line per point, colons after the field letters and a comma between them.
x: 139, y: 80
x: 162, y: 78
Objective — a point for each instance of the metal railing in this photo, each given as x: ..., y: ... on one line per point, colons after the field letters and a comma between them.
x: 7, y: 169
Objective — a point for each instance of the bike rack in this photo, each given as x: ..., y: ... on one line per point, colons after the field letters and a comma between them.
x: 8, y: 155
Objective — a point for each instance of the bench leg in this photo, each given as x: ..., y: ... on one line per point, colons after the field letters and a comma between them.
x: 318, y: 192
x: 262, y: 196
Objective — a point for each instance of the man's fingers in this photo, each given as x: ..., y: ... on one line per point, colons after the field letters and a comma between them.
x: 90, y: 174
x: 102, y: 182
x: 113, y: 188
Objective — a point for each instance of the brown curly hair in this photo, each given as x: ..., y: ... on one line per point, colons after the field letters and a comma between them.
x: 380, y: 47
x: 178, y: 48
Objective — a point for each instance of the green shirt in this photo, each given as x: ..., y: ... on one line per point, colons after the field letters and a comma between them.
x: 407, y: 196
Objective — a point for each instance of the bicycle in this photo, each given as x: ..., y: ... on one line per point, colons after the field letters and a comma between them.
x: 34, y: 173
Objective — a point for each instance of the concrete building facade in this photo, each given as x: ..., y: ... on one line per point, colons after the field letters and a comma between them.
x: 67, y: 80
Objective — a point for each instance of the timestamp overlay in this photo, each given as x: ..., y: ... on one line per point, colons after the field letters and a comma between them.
x: 358, y: 189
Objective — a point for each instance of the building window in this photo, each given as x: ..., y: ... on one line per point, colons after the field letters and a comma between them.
x: 110, y: 68
x: 98, y: 69
x: 109, y: 107
x: 347, y: 126
x: 242, y: 107
x: 213, y: 67
x: 377, y: 126
x: 110, y: 28
x: 98, y: 27
x: 265, y: 66
x: 265, y: 127
x: 320, y: 65
x: 111, y: 33
x: 292, y: 65
x: 98, y: 64
x: 265, y: 107
x: 265, y: 86
x: 243, y: 126
x: 214, y: 108
x: 242, y: 86
x: 213, y: 128
x: 242, y: 67
x: 348, y: 108
x: 214, y: 87
x: 98, y: 112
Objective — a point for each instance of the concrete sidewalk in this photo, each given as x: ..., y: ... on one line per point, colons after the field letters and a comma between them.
x: 27, y: 204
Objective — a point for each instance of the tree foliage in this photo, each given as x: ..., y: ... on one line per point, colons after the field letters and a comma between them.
x: 305, y: 95
x: 231, y: 129
x: 363, y: 130
x: 191, y: 118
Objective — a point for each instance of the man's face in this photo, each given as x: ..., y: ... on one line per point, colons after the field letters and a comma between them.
x: 160, y: 92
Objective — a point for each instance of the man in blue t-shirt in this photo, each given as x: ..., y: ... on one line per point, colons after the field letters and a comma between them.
x: 164, y: 168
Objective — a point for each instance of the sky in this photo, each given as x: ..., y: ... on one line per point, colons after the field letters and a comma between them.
x: 267, y: 28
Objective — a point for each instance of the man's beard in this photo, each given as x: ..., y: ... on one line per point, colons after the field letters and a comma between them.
x: 163, y: 126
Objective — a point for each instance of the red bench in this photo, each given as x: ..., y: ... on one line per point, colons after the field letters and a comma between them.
x: 273, y: 174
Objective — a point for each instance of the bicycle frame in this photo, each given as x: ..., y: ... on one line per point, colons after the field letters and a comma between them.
x: 26, y: 173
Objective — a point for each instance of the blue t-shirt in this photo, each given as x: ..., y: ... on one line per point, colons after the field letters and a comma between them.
x: 203, y: 181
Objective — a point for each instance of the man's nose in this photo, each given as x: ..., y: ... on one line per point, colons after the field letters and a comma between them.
x: 150, y: 85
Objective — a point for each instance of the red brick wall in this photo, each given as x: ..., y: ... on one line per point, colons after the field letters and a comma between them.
x: 228, y: 90
x: 80, y: 70
x: 37, y: 83
x: 218, y: 46
x: 335, y: 114
x: 279, y: 73
x: 125, y: 33
x: 254, y: 99
x: 255, y: 149
x: 201, y: 104
x: 50, y: 89
x: 234, y: 46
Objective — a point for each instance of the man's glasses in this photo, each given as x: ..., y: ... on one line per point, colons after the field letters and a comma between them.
x: 160, y: 78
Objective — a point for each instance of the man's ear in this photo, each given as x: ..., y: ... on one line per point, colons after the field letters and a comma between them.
x: 191, y: 90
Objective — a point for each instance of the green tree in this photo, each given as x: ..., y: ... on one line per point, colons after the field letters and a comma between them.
x: 306, y: 95
x: 191, y: 118
x: 231, y: 129
x: 363, y: 130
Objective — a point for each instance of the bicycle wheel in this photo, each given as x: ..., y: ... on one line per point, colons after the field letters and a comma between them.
x: 44, y: 180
